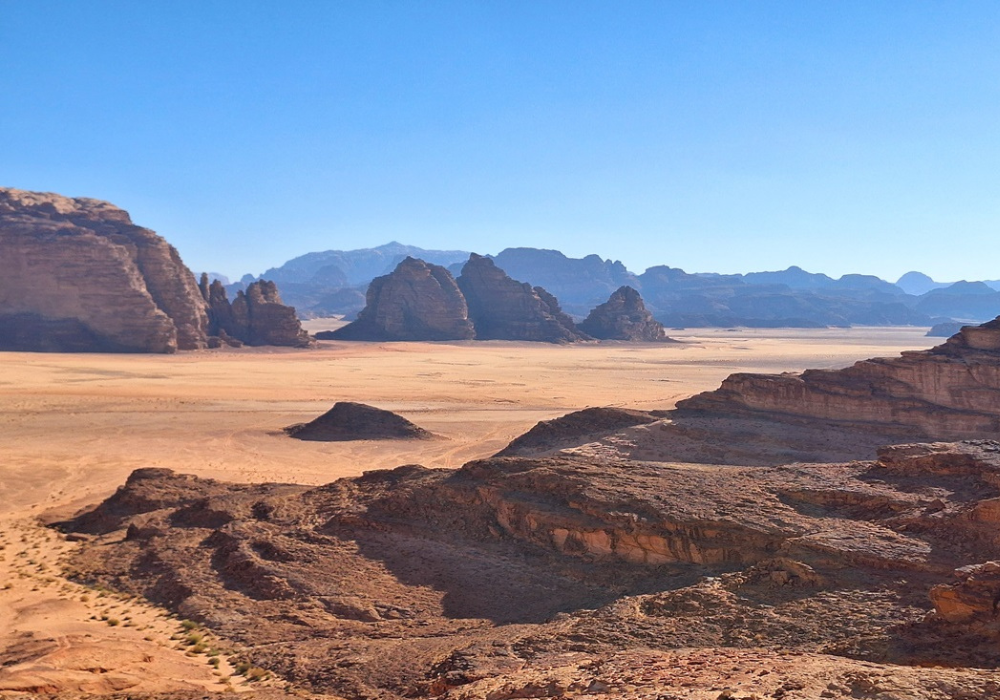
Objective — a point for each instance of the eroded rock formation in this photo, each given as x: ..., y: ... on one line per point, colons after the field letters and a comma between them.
x: 417, y: 301
x: 256, y: 316
x: 951, y: 391
x: 624, y: 317
x: 357, y: 421
x: 78, y: 275
x: 501, y: 308
x: 478, y: 582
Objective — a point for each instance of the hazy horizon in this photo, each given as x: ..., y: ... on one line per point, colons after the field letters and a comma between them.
x: 713, y: 137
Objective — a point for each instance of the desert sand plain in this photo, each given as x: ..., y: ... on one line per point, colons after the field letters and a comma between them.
x: 72, y: 427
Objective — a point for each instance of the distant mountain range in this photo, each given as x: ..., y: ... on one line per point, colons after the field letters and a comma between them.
x: 335, y: 281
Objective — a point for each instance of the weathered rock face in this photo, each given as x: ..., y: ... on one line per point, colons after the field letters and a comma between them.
x: 256, y: 317
x: 453, y: 578
x: 77, y: 274
x: 357, y: 421
x: 504, y: 309
x: 624, y: 317
x: 948, y: 392
x: 417, y: 301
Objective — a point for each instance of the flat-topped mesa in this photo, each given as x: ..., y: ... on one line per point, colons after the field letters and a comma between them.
x: 624, y: 317
x: 77, y: 275
x: 949, y: 392
x: 416, y: 301
x: 255, y: 317
x: 502, y: 308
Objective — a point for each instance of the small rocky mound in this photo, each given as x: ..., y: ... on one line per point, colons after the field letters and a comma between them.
x: 576, y: 428
x: 78, y: 275
x: 357, y: 421
x: 501, y: 308
x: 945, y: 329
x: 624, y: 317
x: 256, y: 316
x: 416, y: 301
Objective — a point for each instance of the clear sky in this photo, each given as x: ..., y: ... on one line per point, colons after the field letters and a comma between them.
x: 731, y: 136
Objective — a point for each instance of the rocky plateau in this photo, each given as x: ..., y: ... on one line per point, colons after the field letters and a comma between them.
x: 528, y: 578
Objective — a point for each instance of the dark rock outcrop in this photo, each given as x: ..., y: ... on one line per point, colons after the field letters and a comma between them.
x: 77, y: 274
x: 256, y: 317
x: 945, y: 329
x: 357, y: 421
x: 417, y: 301
x: 576, y: 428
x: 624, y: 317
x: 951, y: 391
x: 501, y: 308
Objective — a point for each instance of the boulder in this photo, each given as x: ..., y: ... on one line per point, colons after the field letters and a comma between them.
x: 416, y: 301
x: 77, y: 275
x: 357, y: 421
x: 624, y: 317
x: 504, y: 309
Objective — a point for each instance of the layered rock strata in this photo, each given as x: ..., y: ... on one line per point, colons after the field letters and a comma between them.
x: 77, y: 274
x: 357, y: 421
x: 624, y: 317
x: 951, y: 391
x: 466, y: 583
x: 416, y: 301
x: 501, y: 308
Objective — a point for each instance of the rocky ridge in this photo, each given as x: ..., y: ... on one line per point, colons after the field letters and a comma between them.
x: 624, y: 317
x: 951, y: 391
x: 485, y: 581
x: 77, y: 274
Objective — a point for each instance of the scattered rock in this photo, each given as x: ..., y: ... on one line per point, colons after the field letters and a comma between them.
x: 624, y: 317
x: 357, y: 421
x: 417, y: 301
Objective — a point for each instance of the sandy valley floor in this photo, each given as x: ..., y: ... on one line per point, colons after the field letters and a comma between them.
x: 72, y: 427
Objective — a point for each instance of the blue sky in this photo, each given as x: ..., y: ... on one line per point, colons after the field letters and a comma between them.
x: 714, y: 136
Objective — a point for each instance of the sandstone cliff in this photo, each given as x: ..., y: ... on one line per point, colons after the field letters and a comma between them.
x: 256, y: 317
x: 77, y: 274
x: 624, y: 317
x: 951, y: 391
x: 417, y: 301
x: 504, y: 309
